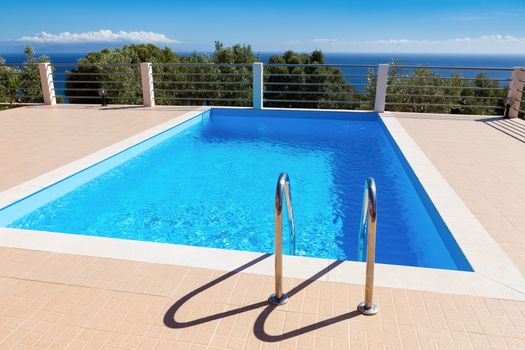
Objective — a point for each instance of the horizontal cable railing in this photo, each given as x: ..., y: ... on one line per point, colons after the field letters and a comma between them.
x: 228, y: 84
x: 196, y: 82
x: 318, y: 93
x: 449, y: 87
x: 202, y: 98
x: 335, y: 65
x: 97, y: 73
x: 445, y: 96
x: 505, y: 69
x: 109, y: 65
x: 316, y: 101
x: 457, y: 78
x: 318, y: 75
x: 471, y: 90
x: 333, y: 86
x: 205, y: 74
x: 313, y: 84
x: 442, y: 105
x: 199, y: 65
x: 117, y: 83
x: 411, y: 88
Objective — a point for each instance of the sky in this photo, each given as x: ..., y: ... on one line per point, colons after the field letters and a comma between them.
x: 438, y: 26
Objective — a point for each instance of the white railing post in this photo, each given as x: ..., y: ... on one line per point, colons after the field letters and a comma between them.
x: 46, y: 80
x: 257, y: 85
x: 515, y: 91
x: 148, y: 92
x: 382, y: 80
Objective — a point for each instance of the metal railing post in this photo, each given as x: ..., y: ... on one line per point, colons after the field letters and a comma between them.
x: 148, y: 92
x: 515, y: 92
x: 368, y: 224
x: 257, y: 90
x: 381, y: 84
x: 46, y: 81
x: 282, y: 189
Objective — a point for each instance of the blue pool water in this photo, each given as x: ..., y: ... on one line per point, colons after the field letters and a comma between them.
x: 211, y: 183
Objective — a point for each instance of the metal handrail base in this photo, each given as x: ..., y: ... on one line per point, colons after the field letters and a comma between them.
x: 372, y: 310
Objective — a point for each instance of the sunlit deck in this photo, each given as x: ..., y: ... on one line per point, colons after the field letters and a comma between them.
x: 52, y: 300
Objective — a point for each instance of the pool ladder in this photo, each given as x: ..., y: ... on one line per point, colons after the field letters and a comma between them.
x: 367, y: 226
x: 282, y: 190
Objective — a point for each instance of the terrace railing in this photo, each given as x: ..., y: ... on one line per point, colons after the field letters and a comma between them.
x: 91, y: 83
x: 326, y: 86
x: 203, y: 83
x: 447, y: 89
x: 384, y: 87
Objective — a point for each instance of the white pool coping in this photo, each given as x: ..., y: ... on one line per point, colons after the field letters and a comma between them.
x: 494, y: 273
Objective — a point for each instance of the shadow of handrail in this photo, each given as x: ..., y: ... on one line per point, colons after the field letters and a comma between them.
x: 169, y: 316
x: 258, y: 327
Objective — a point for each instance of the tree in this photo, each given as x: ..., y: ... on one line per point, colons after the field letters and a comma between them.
x: 22, y: 84
x: 222, y: 78
x: 297, y: 81
x: 194, y: 84
x: 485, y: 94
x: 421, y: 91
x: 117, y: 71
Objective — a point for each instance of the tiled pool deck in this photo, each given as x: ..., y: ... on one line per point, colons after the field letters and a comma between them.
x: 51, y: 300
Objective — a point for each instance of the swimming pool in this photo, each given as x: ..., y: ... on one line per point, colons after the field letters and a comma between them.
x: 211, y: 180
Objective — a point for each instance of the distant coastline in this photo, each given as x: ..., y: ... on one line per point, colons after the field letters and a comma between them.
x: 461, y: 60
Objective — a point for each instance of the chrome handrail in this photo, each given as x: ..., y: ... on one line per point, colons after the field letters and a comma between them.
x: 282, y: 189
x: 368, y: 225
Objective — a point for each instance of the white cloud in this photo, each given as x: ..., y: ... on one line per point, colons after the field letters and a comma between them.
x: 393, y: 41
x: 492, y: 39
x: 495, y: 43
x: 504, y: 13
x: 103, y: 35
x: 464, y: 18
x: 294, y: 42
x: 327, y: 41
x: 485, y: 39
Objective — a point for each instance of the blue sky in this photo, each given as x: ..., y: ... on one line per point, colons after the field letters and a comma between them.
x: 338, y: 26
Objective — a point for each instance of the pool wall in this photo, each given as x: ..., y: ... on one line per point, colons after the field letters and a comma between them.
x: 448, y: 239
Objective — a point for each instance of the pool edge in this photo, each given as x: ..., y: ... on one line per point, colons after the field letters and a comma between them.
x: 482, y: 252
x: 490, y: 280
x: 391, y: 276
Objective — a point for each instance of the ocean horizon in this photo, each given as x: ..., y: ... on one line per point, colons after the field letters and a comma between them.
x: 441, y: 59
